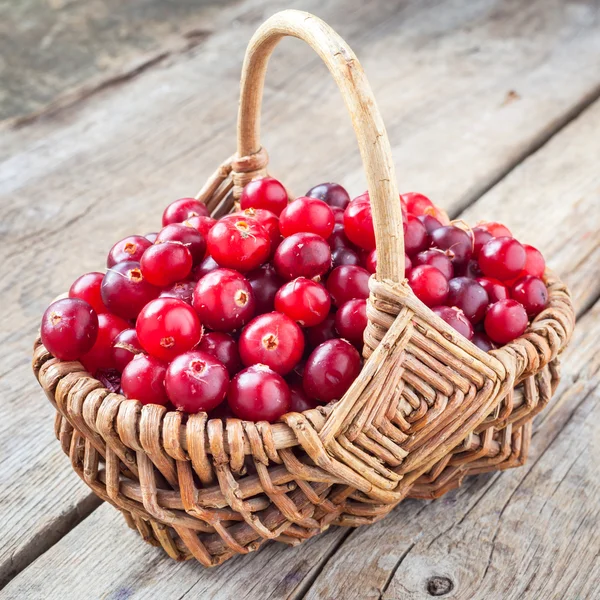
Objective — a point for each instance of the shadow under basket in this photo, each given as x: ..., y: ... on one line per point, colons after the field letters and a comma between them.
x: 427, y: 409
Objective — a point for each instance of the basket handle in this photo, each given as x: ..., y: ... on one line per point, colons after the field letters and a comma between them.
x: 367, y: 122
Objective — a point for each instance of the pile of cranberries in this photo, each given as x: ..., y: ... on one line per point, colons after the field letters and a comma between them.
x: 263, y: 311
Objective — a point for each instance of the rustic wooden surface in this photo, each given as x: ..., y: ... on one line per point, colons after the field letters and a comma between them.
x: 490, y: 106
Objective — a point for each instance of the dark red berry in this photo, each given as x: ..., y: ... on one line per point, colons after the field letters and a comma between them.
x: 358, y: 223
x: 224, y: 300
x: 182, y: 210
x: 502, y: 258
x: 416, y: 238
x: 265, y: 282
x: 430, y: 223
x: 87, y: 287
x: 535, y: 265
x: 206, y: 266
x: 110, y: 379
x: 470, y: 270
x: 429, y: 284
x: 224, y: 348
x: 456, y: 319
x: 436, y: 258
x: 303, y: 301
x: 494, y: 288
x: 164, y: 263
x: 196, y: 381
x: 532, y: 293
x: 338, y: 239
x: 345, y: 256
x: 144, y: 379
x: 330, y: 370
x: 190, y: 237
x: 124, y: 347
x: 299, y: 400
x: 239, y: 243
x: 338, y: 215
x: 480, y: 238
x: 267, y: 193
x: 69, y: 328
x: 259, y: 394
x: 125, y: 290
x: 302, y: 255
x: 307, y: 214
x: 482, y: 341
x: 321, y: 333
x: 505, y: 320
x: 351, y: 321
x: 272, y: 339
x: 101, y: 356
x: 469, y: 296
x: 183, y: 290
x: 331, y: 193
x: 456, y: 242
x: 167, y: 327
x: 128, y: 249
x: 348, y: 283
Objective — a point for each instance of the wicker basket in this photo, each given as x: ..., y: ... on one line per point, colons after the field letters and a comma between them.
x: 427, y: 408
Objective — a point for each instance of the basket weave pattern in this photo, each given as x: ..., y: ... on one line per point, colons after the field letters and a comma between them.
x: 427, y: 409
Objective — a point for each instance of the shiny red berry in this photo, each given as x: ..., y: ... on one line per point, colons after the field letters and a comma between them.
x: 456, y: 319
x: 358, y: 223
x: 224, y: 348
x: 535, y: 265
x: 532, y: 293
x: 125, y: 290
x: 307, y: 214
x: 87, y: 287
x: 272, y: 339
x: 201, y: 224
x: 196, y: 381
x: 267, y: 193
x: 495, y: 289
x: 331, y: 193
x: 265, y: 283
x: 183, y: 290
x: 321, y: 333
x: 164, y: 263
x: 182, y: 209
x: 339, y: 239
x: 124, y: 347
x: 495, y: 229
x: 430, y: 223
x: 259, y: 394
x: 416, y: 238
x: 502, y: 258
x: 457, y: 244
x: 143, y: 379
x: 224, y: 300
x: 239, y: 243
x: 429, y: 284
x: 469, y: 296
x: 302, y: 255
x: 167, y: 327
x: 269, y: 220
x: 206, y: 266
x: 417, y: 204
x: 505, y: 321
x: 303, y: 301
x: 351, y: 321
x: 348, y: 283
x: 480, y: 238
x: 101, y: 354
x: 190, y: 237
x: 345, y: 256
x: 69, y: 328
x: 128, y: 249
x: 299, y: 400
x: 482, y: 341
x: 436, y: 258
x: 330, y: 370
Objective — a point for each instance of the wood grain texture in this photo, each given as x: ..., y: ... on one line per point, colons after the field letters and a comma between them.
x: 78, y: 181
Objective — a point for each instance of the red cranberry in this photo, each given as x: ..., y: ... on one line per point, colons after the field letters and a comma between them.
x: 128, y: 249
x: 416, y: 238
x: 191, y: 238
x: 303, y: 301
x: 469, y: 296
x: 351, y: 321
x: 532, y: 293
x: 429, y: 284
x: 224, y: 348
x: 196, y: 381
x: 438, y: 259
x: 345, y: 256
x: 269, y: 220
x: 201, y: 224
x: 206, y: 266
x: 339, y: 239
x: 299, y: 401
x: 124, y: 347
x: 495, y: 229
x: 358, y: 223
x: 125, y: 290
x: 417, y: 204
x: 456, y: 242
x: 494, y: 288
x: 144, y: 379
x: 239, y: 243
x: 331, y: 193
x: 69, y: 328
x: 338, y: 215
x: 480, y: 238
x: 505, y: 320
x: 330, y: 370
x: 456, y: 319
x: 110, y: 379
x: 87, y: 287
x: 259, y: 394
x: 302, y: 255
x: 535, y: 264
x: 100, y: 356
x: 482, y: 341
x: 183, y: 290
x: 470, y: 270
x: 224, y: 300
x: 322, y: 332
x: 430, y: 223
x: 182, y: 210
x: 267, y: 193
x: 265, y: 282
x: 272, y: 339
x: 307, y: 214
x: 167, y: 327
x: 164, y: 263
x: 502, y: 258
x: 348, y: 283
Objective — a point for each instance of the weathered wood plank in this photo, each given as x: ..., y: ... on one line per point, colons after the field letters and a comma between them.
x: 64, y: 180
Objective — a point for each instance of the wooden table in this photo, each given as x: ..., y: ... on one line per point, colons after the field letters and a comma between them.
x: 493, y: 110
